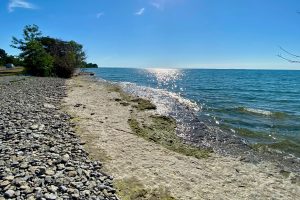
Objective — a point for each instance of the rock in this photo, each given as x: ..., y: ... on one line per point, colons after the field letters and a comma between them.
x: 9, y: 194
x: 50, y: 196
x: 75, y: 195
x: 49, y: 172
x: 34, y: 126
x: 24, y: 165
x: 4, y: 184
x: 52, y: 188
x: 86, y: 193
x: 30, y: 198
x: 40, y: 171
x: 41, y: 127
x: 60, y: 166
x: 72, y: 173
x: 9, y: 178
x: 65, y: 157
x: 63, y: 188
x: 50, y: 106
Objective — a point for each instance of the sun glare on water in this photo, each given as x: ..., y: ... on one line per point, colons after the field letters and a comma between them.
x: 165, y: 76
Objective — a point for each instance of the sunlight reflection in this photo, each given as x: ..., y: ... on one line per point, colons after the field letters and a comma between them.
x: 165, y: 76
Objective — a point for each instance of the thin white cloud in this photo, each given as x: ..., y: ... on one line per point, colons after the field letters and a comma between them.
x: 156, y: 5
x: 19, y: 4
x: 162, y: 4
x: 140, y: 11
x: 100, y: 14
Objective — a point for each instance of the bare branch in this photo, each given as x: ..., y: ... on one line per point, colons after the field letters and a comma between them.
x: 294, y: 55
x: 289, y: 60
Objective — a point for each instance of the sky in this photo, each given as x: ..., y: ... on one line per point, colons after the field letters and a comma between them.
x: 165, y: 33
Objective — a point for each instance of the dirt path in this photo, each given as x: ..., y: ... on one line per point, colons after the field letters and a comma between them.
x: 136, y: 163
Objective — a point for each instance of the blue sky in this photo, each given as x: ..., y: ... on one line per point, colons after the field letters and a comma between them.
x: 165, y: 33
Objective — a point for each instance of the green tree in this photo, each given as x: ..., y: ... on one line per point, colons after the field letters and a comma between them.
x: 46, y: 56
x: 36, y: 60
x: 90, y: 65
x: 68, y: 55
x: 3, y: 57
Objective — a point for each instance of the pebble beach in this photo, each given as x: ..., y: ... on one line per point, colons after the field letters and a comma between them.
x: 71, y: 139
x: 40, y: 156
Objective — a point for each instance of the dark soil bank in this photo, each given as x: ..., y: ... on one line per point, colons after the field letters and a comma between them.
x: 40, y: 156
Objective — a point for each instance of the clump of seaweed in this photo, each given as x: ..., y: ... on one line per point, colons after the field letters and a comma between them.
x: 132, y: 189
x: 126, y: 99
x: 143, y: 104
x: 162, y: 131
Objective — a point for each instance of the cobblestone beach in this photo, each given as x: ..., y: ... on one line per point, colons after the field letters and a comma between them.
x: 40, y: 155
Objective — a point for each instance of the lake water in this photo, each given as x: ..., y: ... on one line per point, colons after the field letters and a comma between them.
x: 260, y: 106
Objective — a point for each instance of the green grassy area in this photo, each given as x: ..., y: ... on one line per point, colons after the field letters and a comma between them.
x: 162, y: 131
x: 133, y: 189
x: 12, y: 71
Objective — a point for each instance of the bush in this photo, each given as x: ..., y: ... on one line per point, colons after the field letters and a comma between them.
x: 38, y: 62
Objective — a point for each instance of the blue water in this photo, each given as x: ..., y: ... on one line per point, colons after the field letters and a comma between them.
x: 262, y: 106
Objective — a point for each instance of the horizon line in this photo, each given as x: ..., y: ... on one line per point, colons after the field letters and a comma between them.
x: 207, y: 68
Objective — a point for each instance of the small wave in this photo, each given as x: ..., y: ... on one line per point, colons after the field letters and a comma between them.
x: 186, y: 102
x: 159, y: 95
x: 258, y: 111
x: 262, y: 112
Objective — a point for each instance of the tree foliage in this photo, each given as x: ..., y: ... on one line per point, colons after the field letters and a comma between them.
x: 3, y: 56
x: 47, y: 56
x: 67, y: 55
x: 5, y: 59
x: 90, y: 65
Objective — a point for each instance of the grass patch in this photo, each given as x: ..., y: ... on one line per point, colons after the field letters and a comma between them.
x: 133, y: 189
x: 11, y: 72
x: 162, y: 131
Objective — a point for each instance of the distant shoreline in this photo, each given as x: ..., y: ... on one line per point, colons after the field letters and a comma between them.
x: 195, y: 68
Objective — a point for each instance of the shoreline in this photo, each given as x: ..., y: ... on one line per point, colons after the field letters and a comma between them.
x: 103, y: 123
x: 203, y: 134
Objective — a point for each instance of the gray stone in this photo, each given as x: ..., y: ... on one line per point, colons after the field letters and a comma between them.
x: 65, y: 157
x: 34, y: 126
x: 52, y: 188
x: 50, y: 106
x: 9, y: 178
x: 50, y: 196
x: 4, y: 183
x: 9, y: 193
x: 63, y: 188
x: 41, y: 127
x: 49, y: 172
x: 72, y: 173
